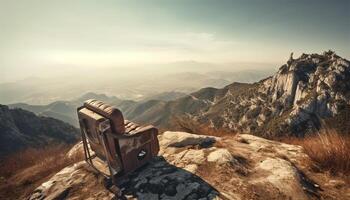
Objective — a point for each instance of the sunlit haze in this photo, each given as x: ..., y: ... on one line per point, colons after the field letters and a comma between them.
x: 137, y: 48
x: 44, y: 35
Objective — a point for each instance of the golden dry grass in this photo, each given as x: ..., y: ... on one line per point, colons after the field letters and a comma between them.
x: 23, y: 171
x: 328, y: 149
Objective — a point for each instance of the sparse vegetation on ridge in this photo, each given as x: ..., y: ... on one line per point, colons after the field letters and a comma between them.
x: 22, y: 172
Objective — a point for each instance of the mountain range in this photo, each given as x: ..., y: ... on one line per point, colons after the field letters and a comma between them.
x: 306, y: 93
x: 126, y: 83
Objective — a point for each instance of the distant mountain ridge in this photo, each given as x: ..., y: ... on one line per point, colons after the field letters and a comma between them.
x: 128, y: 83
x: 65, y: 110
x: 20, y: 129
x: 166, y: 96
x: 305, y: 93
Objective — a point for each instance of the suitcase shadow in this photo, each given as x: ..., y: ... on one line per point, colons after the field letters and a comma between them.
x: 162, y: 180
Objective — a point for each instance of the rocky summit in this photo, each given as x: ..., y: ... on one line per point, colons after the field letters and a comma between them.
x: 205, y: 167
x: 306, y: 93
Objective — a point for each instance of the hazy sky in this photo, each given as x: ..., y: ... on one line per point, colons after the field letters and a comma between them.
x: 36, y: 35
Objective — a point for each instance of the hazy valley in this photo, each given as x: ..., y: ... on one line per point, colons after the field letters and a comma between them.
x: 143, y: 85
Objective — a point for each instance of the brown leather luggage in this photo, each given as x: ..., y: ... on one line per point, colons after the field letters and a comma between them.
x: 123, y: 145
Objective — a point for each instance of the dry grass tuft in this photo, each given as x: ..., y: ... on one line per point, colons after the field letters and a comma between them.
x: 330, y: 150
x: 194, y: 127
x: 23, y: 171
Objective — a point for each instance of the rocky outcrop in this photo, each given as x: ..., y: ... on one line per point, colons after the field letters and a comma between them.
x: 296, y: 100
x: 310, y: 88
x: 205, y: 167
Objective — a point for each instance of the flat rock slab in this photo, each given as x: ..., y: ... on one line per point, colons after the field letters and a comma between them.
x: 237, y: 167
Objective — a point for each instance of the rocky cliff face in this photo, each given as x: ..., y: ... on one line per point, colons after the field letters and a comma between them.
x: 20, y: 128
x: 310, y: 88
x: 296, y: 100
x: 205, y: 167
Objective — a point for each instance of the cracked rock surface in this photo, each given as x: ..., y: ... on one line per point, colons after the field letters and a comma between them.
x: 237, y: 167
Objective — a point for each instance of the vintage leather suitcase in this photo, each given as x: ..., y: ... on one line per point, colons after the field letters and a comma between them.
x: 123, y: 145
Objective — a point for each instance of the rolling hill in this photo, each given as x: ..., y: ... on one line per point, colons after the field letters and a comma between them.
x: 21, y: 129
